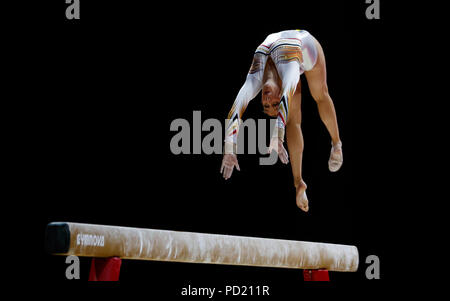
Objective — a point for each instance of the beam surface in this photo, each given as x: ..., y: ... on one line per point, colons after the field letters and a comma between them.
x: 163, y: 245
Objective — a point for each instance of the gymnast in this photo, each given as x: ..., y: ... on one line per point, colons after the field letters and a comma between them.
x: 276, y: 68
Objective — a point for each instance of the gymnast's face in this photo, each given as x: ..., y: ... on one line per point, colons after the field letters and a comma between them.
x: 271, y: 98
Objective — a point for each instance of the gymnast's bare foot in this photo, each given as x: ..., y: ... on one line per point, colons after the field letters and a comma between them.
x: 301, y: 198
x: 336, y: 157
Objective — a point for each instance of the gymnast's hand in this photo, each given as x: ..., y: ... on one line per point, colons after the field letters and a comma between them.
x: 229, y: 161
x: 276, y: 144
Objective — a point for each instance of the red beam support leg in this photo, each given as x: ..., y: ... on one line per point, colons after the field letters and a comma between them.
x: 316, y: 275
x: 105, y: 269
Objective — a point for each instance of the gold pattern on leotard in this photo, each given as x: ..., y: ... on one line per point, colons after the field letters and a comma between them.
x: 287, y: 54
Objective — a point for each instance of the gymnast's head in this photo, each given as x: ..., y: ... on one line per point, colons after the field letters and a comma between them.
x: 271, y: 89
x: 271, y: 98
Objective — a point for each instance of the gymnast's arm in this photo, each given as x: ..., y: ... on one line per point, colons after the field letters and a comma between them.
x: 248, y: 91
x: 287, y: 94
x: 290, y: 81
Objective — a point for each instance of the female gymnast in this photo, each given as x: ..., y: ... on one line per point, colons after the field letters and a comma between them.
x: 276, y: 68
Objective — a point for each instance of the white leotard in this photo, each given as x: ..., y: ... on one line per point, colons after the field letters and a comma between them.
x: 293, y: 52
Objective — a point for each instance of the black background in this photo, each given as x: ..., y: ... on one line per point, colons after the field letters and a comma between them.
x: 96, y: 135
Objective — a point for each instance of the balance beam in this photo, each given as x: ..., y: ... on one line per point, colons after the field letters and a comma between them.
x: 90, y: 240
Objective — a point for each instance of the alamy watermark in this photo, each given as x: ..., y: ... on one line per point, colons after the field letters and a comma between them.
x: 373, y: 270
x: 73, y: 9
x: 373, y: 10
x: 73, y: 270
x: 212, y: 143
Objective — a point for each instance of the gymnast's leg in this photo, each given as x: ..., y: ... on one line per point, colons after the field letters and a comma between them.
x: 294, y: 139
x: 317, y: 82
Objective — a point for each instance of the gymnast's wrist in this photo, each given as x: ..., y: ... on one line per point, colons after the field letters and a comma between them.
x: 279, y: 133
x: 230, y: 148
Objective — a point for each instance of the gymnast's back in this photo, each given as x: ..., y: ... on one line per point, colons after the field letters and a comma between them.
x: 280, y: 45
x: 296, y: 34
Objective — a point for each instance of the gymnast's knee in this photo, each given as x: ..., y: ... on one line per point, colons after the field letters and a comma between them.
x: 321, y: 95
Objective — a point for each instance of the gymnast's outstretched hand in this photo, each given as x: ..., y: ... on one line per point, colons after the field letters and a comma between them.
x: 276, y: 144
x: 229, y: 161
